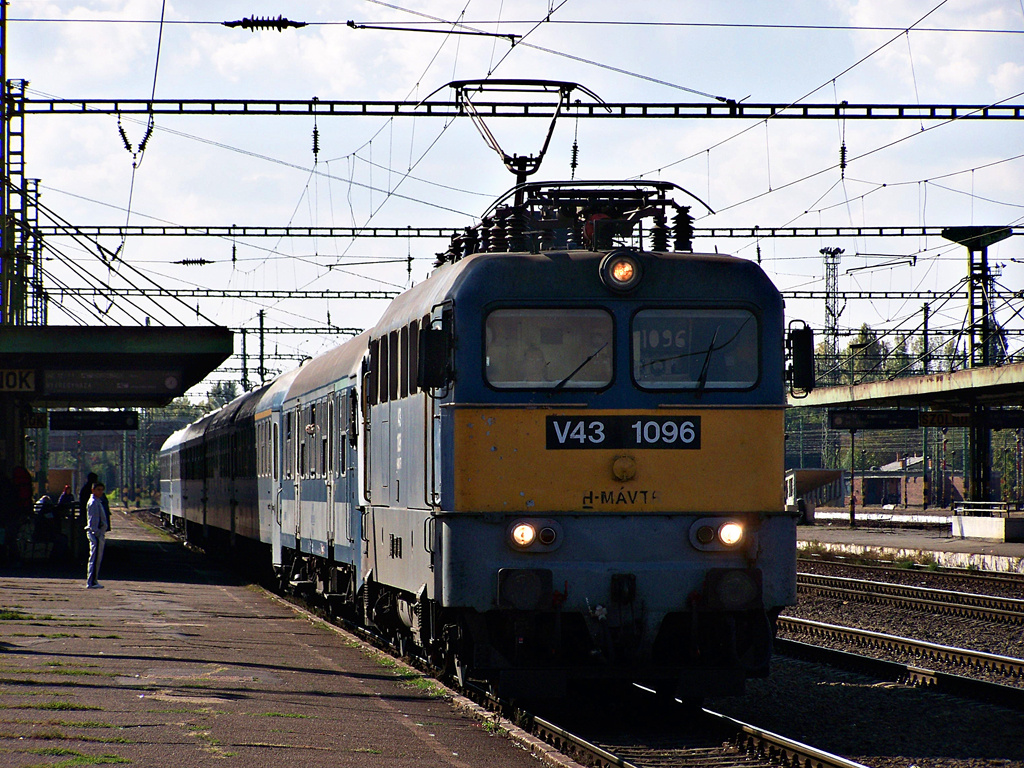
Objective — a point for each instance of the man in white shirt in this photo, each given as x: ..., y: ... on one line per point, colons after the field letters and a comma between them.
x: 96, y: 526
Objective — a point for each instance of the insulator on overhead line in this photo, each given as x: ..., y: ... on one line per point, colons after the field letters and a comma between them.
x: 257, y: 22
x: 124, y: 137
x: 316, y: 142
x: 145, y: 138
x: 842, y: 159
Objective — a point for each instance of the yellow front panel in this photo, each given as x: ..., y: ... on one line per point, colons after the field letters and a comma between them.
x: 503, y: 464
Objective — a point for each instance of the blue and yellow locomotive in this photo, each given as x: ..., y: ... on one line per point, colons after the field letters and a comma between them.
x: 557, y: 459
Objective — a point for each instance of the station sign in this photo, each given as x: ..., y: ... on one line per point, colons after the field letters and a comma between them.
x: 946, y: 419
x: 18, y: 380
x: 84, y: 421
x: 35, y: 420
x: 872, y: 419
x: 1004, y: 419
x: 111, y: 383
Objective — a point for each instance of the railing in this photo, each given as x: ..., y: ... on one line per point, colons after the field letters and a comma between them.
x: 981, y: 508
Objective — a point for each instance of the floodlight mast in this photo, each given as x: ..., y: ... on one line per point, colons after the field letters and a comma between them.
x: 521, y: 165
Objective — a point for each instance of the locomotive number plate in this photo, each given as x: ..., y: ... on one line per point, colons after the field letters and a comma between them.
x: 622, y: 432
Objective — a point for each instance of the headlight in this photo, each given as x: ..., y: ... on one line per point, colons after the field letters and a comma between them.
x: 731, y: 534
x: 523, y: 534
x: 705, y: 534
x: 720, y: 534
x: 536, y: 535
x: 620, y: 271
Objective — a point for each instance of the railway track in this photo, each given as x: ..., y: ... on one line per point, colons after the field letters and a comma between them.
x: 939, y: 601
x: 706, y: 738
x: 919, y: 650
x: 1014, y: 581
x: 677, y: 737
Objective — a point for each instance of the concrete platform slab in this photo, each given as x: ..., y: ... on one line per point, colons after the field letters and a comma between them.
x: 176, y: 663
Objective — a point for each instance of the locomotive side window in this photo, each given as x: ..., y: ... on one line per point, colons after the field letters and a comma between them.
x: 403, y: 383
x: 373, y: 372
x: 395, y: 368
x: 549, y: 348
x: 383, y: 371
x: 414, y: 356
x: 695, y: 349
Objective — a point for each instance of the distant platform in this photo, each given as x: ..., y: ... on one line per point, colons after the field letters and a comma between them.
x: 886, y: 540
x: 884, y: 516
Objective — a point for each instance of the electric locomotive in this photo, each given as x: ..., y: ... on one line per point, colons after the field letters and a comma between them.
x: 558, y: 459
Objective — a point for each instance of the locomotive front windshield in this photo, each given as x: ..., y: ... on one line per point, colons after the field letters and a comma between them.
x: 695, y: 349
x: 548, y: 348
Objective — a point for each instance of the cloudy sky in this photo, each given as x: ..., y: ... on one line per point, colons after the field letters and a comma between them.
x: 434, y: 172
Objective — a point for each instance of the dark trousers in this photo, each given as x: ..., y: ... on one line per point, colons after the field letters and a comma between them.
x: 97, y: 541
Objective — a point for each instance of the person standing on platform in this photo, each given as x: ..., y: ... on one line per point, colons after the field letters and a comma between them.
x: 85, y: 495
x: 96, y: 527
x: 66, y: 502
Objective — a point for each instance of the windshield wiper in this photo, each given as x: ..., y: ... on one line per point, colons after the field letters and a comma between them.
x: 579, y: 367
x: 702, y: 380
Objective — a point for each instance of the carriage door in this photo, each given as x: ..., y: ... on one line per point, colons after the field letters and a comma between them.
x: 301, y: 457
x: 274, y: 500
x: 348, y: 420
x: 329, y: 466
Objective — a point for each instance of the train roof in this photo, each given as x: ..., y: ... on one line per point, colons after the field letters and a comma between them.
x: 240, y: 407
x: 174, y: 440
x: 274, y: 395
x: 341, y: 363
x: 197, y: 428
x: 706, y: 276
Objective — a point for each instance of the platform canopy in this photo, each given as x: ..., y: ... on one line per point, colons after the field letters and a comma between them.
x: 992, y: 386
x: 81, y: 366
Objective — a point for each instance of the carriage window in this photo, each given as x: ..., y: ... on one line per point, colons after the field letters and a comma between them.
x: 273, y: 451
x: 549, y: 348
x: 695, y: 349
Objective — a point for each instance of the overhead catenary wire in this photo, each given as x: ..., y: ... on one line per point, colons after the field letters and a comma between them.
x: 560, y: 22
x: 379, y: 161
x: 797, y: 101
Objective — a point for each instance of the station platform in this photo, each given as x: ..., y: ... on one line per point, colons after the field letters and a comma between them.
x: 888, y: 536
x: 178, y: 663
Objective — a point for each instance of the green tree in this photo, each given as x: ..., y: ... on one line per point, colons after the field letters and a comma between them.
x: 865, y: 356
x: 222, y: 393
x: 898, y: 363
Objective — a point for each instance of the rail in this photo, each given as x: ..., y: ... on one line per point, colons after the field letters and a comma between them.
x: 941, y: 601
x: 1006, y: 666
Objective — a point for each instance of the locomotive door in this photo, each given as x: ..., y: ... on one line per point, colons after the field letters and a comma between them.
x: 442, y: 316
x: 433, y: 450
